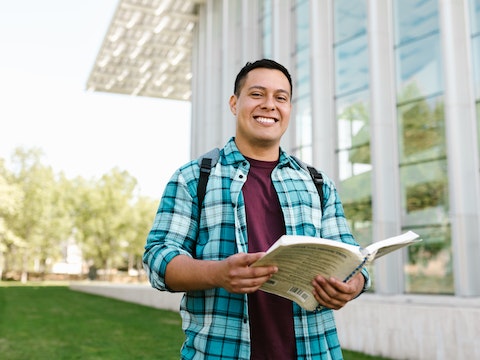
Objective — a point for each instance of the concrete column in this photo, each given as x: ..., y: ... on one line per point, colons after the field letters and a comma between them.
x: 324, y: 124
x: 462, y: 146
x: 386, y: 206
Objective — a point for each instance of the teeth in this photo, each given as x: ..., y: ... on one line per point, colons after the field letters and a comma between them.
x: 264, y: 120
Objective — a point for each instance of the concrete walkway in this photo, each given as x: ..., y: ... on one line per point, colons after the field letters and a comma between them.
x: 142, y: 294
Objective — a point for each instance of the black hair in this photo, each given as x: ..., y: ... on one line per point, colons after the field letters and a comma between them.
x: 263, y: 63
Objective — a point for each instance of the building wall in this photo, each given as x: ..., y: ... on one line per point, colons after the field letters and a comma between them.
x: 411, y: 327
x: 386, y: 101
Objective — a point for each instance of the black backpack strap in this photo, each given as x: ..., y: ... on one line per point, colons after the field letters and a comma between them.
x: 207, y: 162
x: 318, y: 181
x: 316, y: 177
x: 205, y: 168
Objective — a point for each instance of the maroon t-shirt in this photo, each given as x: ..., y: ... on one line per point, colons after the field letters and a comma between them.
x: 271, y: 316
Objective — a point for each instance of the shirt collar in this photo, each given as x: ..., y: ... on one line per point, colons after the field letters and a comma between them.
x: 233, y: 156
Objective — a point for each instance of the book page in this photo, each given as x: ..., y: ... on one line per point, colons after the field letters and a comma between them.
x: 383, y: 247
x: 299, y: 263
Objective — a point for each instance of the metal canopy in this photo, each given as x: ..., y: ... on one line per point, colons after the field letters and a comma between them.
x: 147, y: 50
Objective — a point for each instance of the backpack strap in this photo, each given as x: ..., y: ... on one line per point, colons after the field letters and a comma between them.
x: 316, y: 177
x: 318, y: 181
x: 210, y: 159
x: 207, y: 162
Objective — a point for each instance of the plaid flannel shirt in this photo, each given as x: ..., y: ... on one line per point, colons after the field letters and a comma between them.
x: 215, y: 321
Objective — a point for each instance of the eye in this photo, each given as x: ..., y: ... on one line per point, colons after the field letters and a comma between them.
x: 256, y: 94
x: 282, y: 98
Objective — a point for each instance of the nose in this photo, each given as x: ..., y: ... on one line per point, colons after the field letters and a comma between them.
x: 269, y: 103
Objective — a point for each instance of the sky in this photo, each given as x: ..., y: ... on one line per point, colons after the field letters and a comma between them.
x: 47, y: 50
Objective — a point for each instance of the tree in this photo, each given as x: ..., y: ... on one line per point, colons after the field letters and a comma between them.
x: 10, y: 199
x: 42, y: 221
x: 103, y: 217
x: 143, y: 213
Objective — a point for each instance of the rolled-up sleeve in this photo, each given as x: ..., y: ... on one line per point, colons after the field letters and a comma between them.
x: 173, y: 232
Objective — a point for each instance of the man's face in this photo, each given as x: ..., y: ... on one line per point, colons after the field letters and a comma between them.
x: 262, y: 109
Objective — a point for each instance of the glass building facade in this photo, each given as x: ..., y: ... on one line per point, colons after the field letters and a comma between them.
x: 373, y: 110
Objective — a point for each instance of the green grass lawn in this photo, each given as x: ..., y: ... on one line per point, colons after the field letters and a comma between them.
x: 52, y: 322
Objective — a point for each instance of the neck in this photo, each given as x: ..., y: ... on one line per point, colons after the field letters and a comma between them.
x: 264, y: 153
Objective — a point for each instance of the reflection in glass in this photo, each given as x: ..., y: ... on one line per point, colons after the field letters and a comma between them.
x: 266, y: 22
x: 422, y: 145
x: 430, y: 269
x: 419, y: 69
x: 349, y: 19
x: 302, y: 92
x: 415, y: 19
x: 302, y: 24
x: 303, y: 130
x: 352, y: 96
x: 476, y: 64
x: 478, y: 123
x: 351, y: 66
x: 354, y: 134
x: 355, y: 164
x: 475, y: 16
x: 424, y: 194
x: 302, y: 67
x: 422, y: 131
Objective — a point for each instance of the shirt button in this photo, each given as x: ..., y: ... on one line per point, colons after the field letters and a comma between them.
x: 240, y: 176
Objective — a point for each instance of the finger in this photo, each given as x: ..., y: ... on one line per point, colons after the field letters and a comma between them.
x: 327, y: 295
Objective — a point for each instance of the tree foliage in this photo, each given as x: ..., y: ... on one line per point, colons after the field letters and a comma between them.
x: 41, y: 211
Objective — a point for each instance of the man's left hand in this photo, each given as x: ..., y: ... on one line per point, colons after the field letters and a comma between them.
x: 335, y: 294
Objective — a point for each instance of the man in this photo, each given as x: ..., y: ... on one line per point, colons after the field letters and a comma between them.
x: 255, y: 194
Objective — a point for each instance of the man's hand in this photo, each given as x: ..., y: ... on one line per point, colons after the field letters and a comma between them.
x: 234, y: 274
x: 237, y: 276
x: 335, y: 294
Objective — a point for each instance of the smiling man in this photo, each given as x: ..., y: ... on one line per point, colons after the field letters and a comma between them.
x: 255, y: 194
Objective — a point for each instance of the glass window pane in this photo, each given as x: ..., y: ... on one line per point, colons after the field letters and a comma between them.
x: 302, y: 81
x: 350, y: 19
x: 356, y: 195
x: 302, y: 90
x: 415, y: 19
x: 430, y: 266
x: 267, y: 28
x: 478, y: 125
x: 355, y: 164
x: 476, y: 64
x: 475, y: 16
x: 422, y: 131
x: 303, y: 24
x: 424, y: 194
x: 351, y: 66
x: 419, y: 71
x: 303, y: 129
x: 353, y: 121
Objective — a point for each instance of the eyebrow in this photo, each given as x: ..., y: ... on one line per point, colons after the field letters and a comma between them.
x: 264, y: 88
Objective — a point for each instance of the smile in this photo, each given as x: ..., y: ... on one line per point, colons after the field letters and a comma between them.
x: 265, y: 120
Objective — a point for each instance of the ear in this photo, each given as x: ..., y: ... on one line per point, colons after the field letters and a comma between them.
x: 233, y: 104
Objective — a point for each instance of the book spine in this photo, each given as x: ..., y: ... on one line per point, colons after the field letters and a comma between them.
x: 357, y: 269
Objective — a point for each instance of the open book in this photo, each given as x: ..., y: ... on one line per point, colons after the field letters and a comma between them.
x: 300, y: 258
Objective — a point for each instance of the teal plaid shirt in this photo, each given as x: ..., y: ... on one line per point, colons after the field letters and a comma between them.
x: 215, y: 321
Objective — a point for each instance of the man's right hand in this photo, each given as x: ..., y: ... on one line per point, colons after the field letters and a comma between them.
x: 234, y: 274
